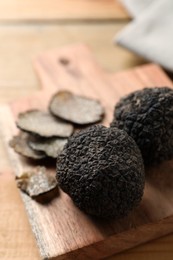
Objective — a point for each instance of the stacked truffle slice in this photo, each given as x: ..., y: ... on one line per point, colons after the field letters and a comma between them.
x: 43, y: 134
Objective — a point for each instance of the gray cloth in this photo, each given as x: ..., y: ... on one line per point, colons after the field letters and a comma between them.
x: 135, y: 7
x: 150, y: 34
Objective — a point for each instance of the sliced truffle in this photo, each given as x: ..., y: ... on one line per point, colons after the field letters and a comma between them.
x: 52, y: 147
x: 38, y: 184
x: 76, y: 109
x: 101, y: 169
x: 20, y: 144
x: 43, y: 124
x: 147, y: 116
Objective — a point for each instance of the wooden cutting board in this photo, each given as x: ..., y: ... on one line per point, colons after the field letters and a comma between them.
x: 61, y: 230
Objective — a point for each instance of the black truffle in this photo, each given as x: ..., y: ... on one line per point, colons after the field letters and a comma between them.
x: 101, y: 169
x: 147, y: 116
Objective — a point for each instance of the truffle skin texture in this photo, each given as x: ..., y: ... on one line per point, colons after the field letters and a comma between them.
x: 101, y: 169
x: 147, y: 116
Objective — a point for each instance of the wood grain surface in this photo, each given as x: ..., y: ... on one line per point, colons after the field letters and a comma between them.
x: 19, y: 45
x: 78, y: 234
x: 29, y: 10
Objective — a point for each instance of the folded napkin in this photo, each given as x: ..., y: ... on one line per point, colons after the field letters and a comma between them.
x: 150, y: 34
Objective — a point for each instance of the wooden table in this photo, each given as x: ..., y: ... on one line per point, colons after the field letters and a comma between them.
x: 26, y: 29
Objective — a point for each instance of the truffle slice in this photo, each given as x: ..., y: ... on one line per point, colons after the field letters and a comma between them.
x: 50, y: 146
x: 20, y: 144
x: 76, y: 109
x: 37, y: 183
x: 147, y: 116
x: 43, y: 124
x: 102, y: 170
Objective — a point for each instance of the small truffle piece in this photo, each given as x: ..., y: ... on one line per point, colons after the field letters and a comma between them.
x: 76, y: 109
x: 37, y: 183
x: 102, y: 170
x: 20, y: 145
x: 147, y: 116
x: 52, y: 147
x: 43, y: 124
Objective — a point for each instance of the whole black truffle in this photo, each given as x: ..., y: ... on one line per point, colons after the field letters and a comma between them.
x: 147, y: 116
x: 101, y: 169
